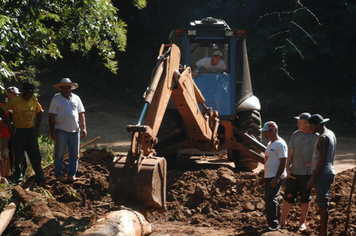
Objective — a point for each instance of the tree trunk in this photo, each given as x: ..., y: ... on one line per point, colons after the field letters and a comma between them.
x: 120, y: 223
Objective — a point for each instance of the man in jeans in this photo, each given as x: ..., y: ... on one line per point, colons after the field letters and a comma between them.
x: 274, y: 172
x: 66, y: 117
x: 323, y: 172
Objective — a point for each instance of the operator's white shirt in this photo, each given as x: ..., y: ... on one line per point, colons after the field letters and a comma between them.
x: 275, y: 151
x: 67, y: 112
x: 206, y: 67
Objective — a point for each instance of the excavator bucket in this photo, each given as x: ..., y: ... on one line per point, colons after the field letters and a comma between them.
x: 146, y: 185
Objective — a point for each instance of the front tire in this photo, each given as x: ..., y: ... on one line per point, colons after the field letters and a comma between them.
x: 250, y: 122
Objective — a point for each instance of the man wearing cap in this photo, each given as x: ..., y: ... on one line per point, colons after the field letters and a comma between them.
x: 24, y: 130
x: 66, y: 117
x: 6, y: 158
x: 212, y: 65
x: 300, y: 152
x: 323, y: 172
x: 274, y: 172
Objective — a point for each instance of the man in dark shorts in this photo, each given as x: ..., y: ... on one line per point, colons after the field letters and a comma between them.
x: 300, y: 153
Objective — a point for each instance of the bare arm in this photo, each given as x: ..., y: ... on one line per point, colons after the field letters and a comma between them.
x: 281, y: 167
x: 51, y: 121
x: 82, y: 123
x: 38, y: 123
x: 289, y: 161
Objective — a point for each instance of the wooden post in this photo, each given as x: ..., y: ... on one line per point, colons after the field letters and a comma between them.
x: 83, y: 146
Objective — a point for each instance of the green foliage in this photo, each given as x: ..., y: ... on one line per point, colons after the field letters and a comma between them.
x: 5, y: 195
x: 46, y: 146
x: 140, y: 4
x: 35, y: 31
x: 74, y: 193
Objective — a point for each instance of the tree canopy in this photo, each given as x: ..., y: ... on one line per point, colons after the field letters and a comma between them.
x: 37, y: 30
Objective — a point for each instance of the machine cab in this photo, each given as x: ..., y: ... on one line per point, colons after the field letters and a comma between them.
x: 225, y: 92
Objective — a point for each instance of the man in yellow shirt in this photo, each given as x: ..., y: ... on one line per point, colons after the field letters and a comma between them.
x: 24, y: 130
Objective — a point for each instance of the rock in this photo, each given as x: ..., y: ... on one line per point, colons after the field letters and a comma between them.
x: 201, y: 191
x: 248, y: 175
x: 332, y: 205
x: 202, y: 174
x: 260, y: 205
x: 256, y: 214
x: 245, y: 217
x: 207, y: 209
x: 249, y: 207
x: 226, y: 176
x: 187, y: 212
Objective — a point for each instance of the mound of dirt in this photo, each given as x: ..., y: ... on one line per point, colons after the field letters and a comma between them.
x: 223, y: 199
x: 197, y: 202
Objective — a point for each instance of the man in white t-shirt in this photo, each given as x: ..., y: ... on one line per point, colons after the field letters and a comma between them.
x: 274, y: 172
x: 66, y: 117
x: 210, y: 65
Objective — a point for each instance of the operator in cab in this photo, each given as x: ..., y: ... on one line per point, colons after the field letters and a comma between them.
x: 210, y: 65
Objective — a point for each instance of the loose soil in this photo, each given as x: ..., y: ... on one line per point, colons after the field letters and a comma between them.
x: 205, y: 200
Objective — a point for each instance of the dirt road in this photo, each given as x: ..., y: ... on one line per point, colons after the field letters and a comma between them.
x: 110, y: 124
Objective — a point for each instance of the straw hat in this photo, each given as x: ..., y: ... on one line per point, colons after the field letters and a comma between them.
x: 66, y: 82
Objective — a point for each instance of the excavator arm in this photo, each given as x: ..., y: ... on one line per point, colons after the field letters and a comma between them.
x: 168, y: 83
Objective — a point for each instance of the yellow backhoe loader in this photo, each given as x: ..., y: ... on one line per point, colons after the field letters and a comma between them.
x: 212, y: 113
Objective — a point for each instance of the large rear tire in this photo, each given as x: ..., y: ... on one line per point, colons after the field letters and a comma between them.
x: 250, y: 122
x: 167, y: 148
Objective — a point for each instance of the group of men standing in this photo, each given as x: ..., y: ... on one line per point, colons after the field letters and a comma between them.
x: 308, y: 162
x: 66, y: 122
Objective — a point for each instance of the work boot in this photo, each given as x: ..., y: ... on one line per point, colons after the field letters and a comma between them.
x: 61, y: 178
x: 72, y: 178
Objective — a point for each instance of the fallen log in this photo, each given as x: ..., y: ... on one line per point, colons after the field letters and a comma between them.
x: 120, y: 223
x: 7, y: 214
x: 39, y: 211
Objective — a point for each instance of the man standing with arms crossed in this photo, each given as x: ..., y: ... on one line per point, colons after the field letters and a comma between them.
x: 66, y: 113
x: 300, y: 153
x: 323, y: 172
x: 274, y: 172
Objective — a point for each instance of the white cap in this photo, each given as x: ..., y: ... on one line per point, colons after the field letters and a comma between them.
x: 217, y: 53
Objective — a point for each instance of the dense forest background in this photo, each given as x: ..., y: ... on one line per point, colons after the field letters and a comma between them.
x: 314, y: 44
